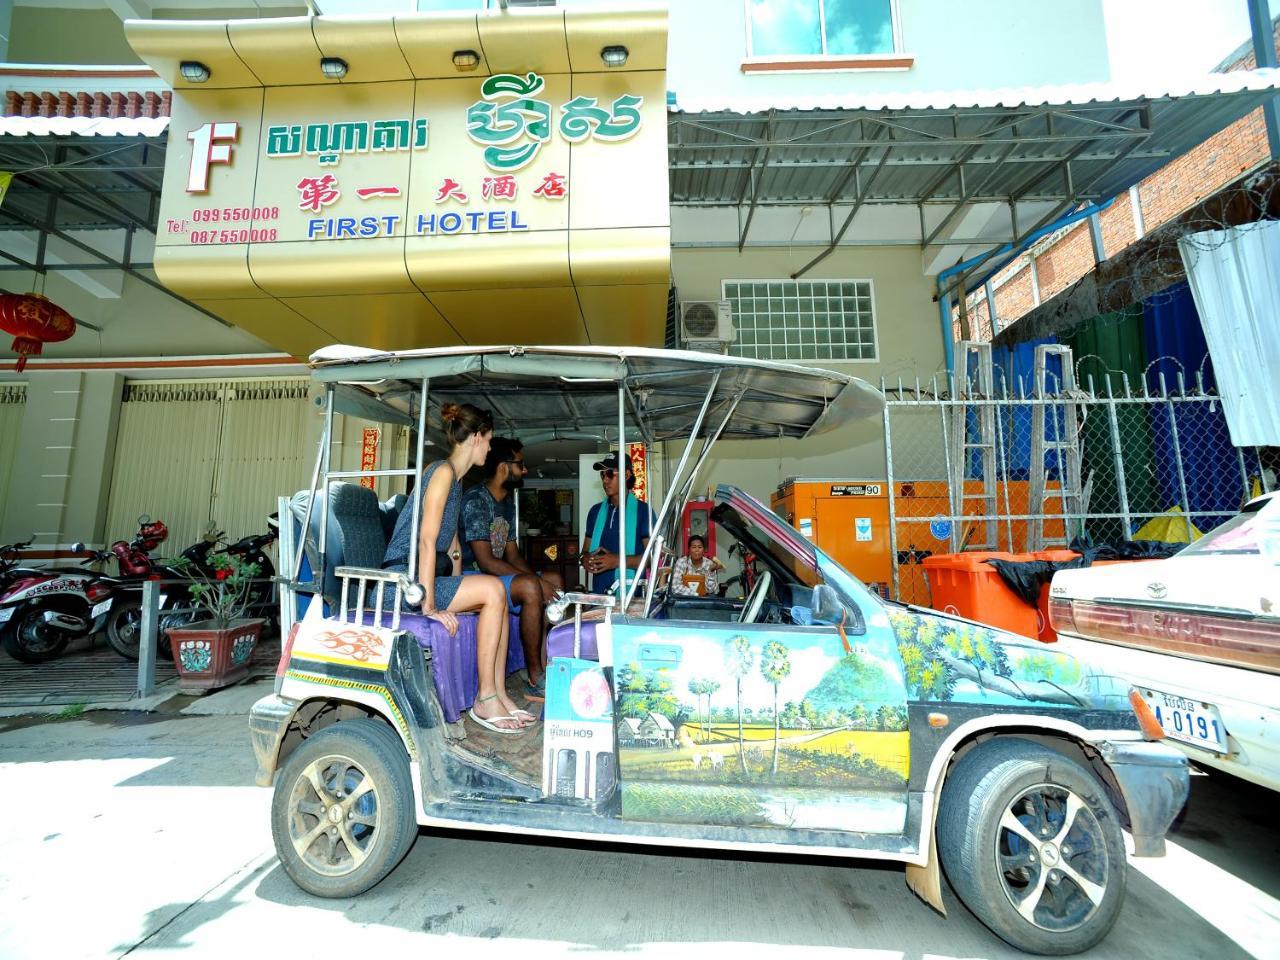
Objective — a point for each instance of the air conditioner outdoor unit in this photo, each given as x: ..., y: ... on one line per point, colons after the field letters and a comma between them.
x: 706, y: 325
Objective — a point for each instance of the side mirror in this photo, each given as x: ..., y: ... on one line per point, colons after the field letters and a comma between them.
x: 144, y: 519
x: 77, y: 547
x: 827, y: 605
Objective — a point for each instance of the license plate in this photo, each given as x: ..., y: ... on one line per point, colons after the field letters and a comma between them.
x: 1191, y: 721
x: 163, y: 598
x: 100, y: 609
x: 6, y: 613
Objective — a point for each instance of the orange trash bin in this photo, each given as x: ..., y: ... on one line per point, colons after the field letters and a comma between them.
x: 965, y: 584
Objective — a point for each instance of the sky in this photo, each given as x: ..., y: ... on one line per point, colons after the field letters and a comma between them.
x: 1154, y: 39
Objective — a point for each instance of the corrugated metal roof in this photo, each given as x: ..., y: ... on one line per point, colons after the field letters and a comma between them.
x: 84, y: 126
x: 1060, y: 145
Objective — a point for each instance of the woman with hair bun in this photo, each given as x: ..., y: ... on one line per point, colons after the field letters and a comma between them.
x: 440, y: 565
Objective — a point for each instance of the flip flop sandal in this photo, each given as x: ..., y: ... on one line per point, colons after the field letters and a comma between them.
x: 491, y: 723
x: 517, y: 714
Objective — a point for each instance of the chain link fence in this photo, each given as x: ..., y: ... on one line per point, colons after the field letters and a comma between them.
x: 1024, y: 467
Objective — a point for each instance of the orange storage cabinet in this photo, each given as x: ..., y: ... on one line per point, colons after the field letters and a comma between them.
x: 965, y: 584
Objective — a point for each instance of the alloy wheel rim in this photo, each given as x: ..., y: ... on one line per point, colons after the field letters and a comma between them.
x: 333, y: 815
x: 1051, y: 858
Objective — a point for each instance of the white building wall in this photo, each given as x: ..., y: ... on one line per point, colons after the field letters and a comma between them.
x: 967, y: 45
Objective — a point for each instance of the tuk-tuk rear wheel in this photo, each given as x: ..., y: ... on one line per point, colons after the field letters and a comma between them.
x: 342, y: 815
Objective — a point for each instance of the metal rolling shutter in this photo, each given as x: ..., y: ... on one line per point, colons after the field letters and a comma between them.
x: 267, y: 449
x: 166, y: 450
x: 13, y: 402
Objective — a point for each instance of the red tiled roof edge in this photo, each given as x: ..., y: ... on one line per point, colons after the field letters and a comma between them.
x: 84, y: 104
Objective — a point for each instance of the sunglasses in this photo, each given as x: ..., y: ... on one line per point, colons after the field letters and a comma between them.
x: 517, y: 463
x: 608, y: 474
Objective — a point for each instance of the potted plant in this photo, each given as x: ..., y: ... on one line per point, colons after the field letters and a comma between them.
x: 215, y: 652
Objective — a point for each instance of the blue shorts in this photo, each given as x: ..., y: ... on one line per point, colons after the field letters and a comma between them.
x: 506, y: 585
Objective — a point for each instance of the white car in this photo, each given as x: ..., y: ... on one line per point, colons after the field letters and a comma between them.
x: 1198, y: 634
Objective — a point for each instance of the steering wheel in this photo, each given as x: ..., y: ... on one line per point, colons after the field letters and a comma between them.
x: 751, y: 609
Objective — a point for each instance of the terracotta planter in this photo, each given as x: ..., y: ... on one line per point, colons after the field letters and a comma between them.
x: 208, y: 657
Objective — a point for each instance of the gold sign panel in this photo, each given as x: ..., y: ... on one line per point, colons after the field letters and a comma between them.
x: 440, y: 179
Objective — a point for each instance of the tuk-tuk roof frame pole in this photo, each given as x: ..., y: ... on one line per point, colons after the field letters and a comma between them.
x: 674, y: 481
x: 416, y: 506
x: 711, y: 442
x: 306, y: 517
x: 326, y: 463
x: 623, y: 491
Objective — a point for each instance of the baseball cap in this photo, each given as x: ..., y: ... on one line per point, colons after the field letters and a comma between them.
x: 610, y: 462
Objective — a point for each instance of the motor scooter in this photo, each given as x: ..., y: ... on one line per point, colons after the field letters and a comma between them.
x: 41, y: 611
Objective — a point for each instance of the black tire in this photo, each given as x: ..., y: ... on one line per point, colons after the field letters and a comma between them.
x: 123, y: 628
x: 325, y: 865
x: 1069, y: 882
x: 27, y: 640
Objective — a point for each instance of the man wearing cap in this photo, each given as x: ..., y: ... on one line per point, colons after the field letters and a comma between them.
x: 600, y: 538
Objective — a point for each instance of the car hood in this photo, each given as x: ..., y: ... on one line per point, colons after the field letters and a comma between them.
x: 951, y: 660
x: 1231, y: 583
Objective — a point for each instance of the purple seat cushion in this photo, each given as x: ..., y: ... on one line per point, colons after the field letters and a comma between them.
x: 453, y: 658
x: 560, y: 642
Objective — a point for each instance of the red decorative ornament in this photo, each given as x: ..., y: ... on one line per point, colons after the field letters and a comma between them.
x: 34, y: 321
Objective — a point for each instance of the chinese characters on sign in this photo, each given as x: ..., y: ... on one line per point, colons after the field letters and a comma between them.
x: 640, y: 465
x: 369, y: 455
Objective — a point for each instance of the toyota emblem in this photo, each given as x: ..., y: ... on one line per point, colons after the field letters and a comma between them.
x: 1158, y: 591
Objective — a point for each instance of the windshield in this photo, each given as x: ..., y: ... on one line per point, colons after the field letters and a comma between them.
x: 1252, y: 532
x: 759, y: 528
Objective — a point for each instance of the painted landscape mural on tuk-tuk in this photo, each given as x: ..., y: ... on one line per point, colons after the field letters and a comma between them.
x: 948, y: 660
x: 747, y: 725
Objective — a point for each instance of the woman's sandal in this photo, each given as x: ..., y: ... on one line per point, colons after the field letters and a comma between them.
x: 491, y: 723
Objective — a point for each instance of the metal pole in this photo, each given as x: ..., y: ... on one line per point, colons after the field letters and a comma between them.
x: 1004, y: 472
x: 893, y: 517
x: 623, y: 462
x: 672, y: 482
x: 286, y: 596
x: 306, y: 519
x: 1121, y: 490
x: 1264, y: 52
x: 150, y: 635
x: 327, y: 454
x: 416, y: 506
x: 1177, y: 457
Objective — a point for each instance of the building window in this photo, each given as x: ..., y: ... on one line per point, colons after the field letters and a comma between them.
x: 803, y: 319
x: 821, y: 28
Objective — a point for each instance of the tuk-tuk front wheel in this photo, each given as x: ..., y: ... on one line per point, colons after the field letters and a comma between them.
x: 1032, y: 845
x: 342, y: 815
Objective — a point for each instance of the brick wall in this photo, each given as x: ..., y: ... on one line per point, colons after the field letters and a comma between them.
x: 1169, y: 191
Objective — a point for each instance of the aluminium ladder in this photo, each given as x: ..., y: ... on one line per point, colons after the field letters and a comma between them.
x: 973, y: 443
x: 1060, y: 445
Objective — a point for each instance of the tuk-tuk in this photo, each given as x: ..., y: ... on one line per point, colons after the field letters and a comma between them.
x: 809, y: 715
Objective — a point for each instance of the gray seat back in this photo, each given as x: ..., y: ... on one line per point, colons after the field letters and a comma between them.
x: 355, y: 535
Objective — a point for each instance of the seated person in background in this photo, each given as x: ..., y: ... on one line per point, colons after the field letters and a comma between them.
x: 695, y: 574
x: 600, y: 537
x: 489, y: 546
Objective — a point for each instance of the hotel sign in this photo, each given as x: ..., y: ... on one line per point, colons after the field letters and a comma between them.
x: 428, y: 206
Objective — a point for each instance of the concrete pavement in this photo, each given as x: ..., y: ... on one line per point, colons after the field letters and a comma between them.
x: 141, y: 832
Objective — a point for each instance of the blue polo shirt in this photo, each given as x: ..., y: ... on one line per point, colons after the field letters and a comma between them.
x: 601, y: 582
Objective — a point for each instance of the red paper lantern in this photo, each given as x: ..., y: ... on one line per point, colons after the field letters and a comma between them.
x: 34, y: 321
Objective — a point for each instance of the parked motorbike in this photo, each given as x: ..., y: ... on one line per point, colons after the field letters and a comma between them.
x: 41, y: 611
x: 11, y: 567
x: 181, y: 609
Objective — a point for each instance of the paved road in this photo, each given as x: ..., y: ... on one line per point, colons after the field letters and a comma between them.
x: 129, y: 832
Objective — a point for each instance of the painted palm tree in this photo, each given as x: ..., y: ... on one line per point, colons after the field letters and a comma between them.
x: 699, y: 690
x: 740, y: 660
x: 710, y: 686
x: 775, y: 666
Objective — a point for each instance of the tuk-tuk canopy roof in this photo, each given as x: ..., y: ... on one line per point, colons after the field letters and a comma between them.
x: 543, y: 393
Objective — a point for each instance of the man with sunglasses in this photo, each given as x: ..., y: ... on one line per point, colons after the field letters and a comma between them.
x: 489, y: 546
x: 600, y: 544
